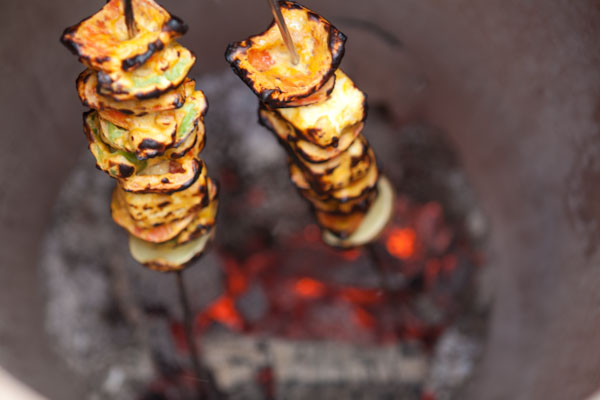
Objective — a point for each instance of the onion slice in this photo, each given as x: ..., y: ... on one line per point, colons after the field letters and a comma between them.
x: 374, y: 222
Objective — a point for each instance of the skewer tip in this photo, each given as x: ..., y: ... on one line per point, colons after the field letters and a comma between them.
x: 283, y: 29
x: 130, y: 19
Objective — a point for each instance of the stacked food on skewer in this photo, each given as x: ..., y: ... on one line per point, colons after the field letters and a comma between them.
x: 318, y: 115
x: 145, y: 129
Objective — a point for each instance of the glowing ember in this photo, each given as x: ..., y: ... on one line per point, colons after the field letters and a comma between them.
x: 401, y: 243
x: 309, y: 288
x: 224, y: 311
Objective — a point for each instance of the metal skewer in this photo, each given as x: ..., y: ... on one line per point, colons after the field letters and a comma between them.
x: 129, y: 19
x: 283, y: 29
x: 205, y: 384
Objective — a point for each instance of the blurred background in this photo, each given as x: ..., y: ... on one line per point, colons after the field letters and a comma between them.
x: 483, y: 114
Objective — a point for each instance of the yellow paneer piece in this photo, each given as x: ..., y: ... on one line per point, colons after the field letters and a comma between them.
x: 151, y: 134
x: 153, y: 209
x: 324, y: 123
x: 102, y: 41
x: 164, y: 71
x: 87, y: 84
x: 264, y: 64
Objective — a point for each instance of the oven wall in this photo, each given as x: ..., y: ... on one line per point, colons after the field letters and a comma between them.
x: 515, y: 85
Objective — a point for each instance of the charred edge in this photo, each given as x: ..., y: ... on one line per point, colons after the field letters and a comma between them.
x: 314, y: 16
x: 206, y: 197
x: 125, y: 171
x: 179, y: 101
x: 86, y: 126
x: 103, y: 80
x: 68, y: 42
x: 335, y: 141
x: 340, y: 234
x: 244, y: 75
x: 143, y: 155
x: 362, y: 193
x: 101, y: 60
x: 168, y: 268
x: 362, y: 206
x: 206, y: 105
x: 127, y: 112
x: 197, y: 170
x: 86, y: 77
x: 136, y: 61
x: 175, y: 25
x: 289, y: 102
x: 285, y: 103
x: 150, y: 144
x: 184, y: 151
x: 292, y: 5
x: 291, y: 141
x: 155, y: 92
x: 337, y: 46
x: 365, y: 105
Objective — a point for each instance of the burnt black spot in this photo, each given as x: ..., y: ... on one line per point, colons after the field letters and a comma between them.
x: 337, y: 46
x: 86, y: 78
x: 205, y: 200
x: 335, y: 141
x: 135, y: 61
x: 313, y: 16
x: 175, y: 24
x: 229, y: 52
x: 150, y: 144
x: 69, y: 43
x: 164, y: 204
x: 291, y: 5
x: 311, y: 133
x: 179, y: 102
x: 125, y: 171
x: 104, y: 79
x: 151, y: 94
x: 165, y: 180
x: 102, y: 60
x: 126, y: 111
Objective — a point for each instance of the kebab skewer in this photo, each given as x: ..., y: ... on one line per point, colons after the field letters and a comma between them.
x: 318, y: 115
x: 145, y: 129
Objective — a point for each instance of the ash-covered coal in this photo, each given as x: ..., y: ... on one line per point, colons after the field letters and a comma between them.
x: 279, y: 314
